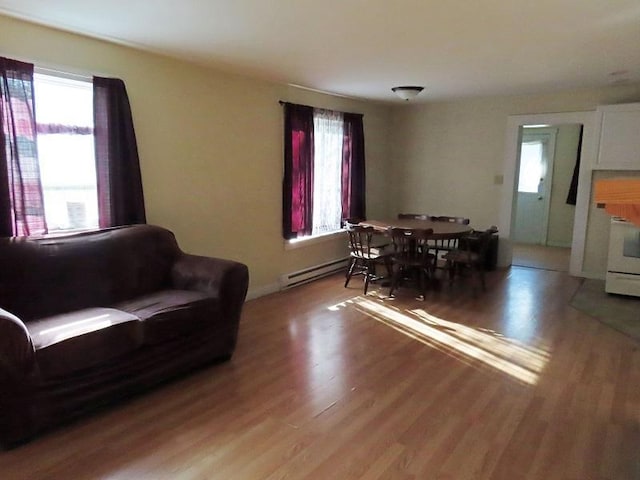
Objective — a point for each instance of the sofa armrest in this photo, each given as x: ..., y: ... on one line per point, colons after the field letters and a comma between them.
x: 225, y: 279
x: 17, y: 353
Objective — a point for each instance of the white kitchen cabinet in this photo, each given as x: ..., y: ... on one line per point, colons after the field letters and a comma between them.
x: 619, y: 146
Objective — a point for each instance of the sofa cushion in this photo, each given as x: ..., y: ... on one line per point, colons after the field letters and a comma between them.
x: 84, y: 338
x: 169, y: 314
x: 83, y: 270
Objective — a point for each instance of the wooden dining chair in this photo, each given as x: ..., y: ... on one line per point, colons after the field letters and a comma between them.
x: 363, y: 256
x: 411, y: 256
x: 439, y: 246
x: 379, y: 241
x: 470, y: 255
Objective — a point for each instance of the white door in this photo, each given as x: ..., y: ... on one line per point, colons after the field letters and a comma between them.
x: 534, y: 187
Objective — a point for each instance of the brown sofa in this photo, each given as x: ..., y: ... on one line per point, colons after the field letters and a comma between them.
x: 89, y: 318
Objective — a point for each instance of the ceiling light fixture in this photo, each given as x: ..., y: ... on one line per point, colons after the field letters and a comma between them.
x: 407, y: 92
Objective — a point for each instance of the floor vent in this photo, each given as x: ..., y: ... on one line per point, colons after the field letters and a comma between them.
x: 312, y: 273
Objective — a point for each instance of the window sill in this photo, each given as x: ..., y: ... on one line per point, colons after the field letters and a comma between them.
x: 308, y: 241
x: 65, y: 233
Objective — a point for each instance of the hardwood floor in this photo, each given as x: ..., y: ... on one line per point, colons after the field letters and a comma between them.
x: 329, y: 384
x: 539, y: 256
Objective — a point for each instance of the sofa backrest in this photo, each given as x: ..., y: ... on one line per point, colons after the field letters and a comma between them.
x: 51, y: 275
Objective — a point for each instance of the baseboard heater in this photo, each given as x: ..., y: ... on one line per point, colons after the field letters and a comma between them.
x: 312, y: 273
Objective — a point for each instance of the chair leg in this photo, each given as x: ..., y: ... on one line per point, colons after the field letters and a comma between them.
x: 423, y: 288
x: 352, y: 265
x: 369, y: 271
x: 389, y: 266
x: 394, y: 281
x: 451, y: 270
x: 482, y: 281
x: 431, y: 274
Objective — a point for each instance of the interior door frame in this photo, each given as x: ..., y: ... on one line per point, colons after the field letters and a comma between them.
x: 588, y: 157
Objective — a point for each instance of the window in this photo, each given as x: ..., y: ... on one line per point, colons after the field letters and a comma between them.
x: 324, y: 174
x: 327, y: 172
x: 64, y: 116
x: 89, y: 174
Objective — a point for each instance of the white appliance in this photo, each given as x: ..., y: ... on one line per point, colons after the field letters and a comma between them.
x: 623, y: 264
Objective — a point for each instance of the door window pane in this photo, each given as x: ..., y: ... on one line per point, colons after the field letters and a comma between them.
x: 531, y: 167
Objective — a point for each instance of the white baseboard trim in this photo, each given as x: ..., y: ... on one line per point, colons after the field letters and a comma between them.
x: 558, y: 244
x: 314, y: 272
x: 591, y: 275
x: 300, y: 277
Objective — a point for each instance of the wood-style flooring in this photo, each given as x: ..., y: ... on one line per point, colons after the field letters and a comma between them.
x: 540, y: 256
x: 329, y: 384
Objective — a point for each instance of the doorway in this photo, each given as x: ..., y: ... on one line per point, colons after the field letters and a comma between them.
x: 544, y: 216
x: 577, y: 240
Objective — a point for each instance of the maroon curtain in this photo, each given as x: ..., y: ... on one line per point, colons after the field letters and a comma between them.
x: 120, y: 196
x: 21, y: 198
x: 353, y: 169
x: 297, y: 188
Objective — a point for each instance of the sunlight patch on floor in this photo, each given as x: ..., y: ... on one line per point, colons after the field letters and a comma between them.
x: 470, y: 345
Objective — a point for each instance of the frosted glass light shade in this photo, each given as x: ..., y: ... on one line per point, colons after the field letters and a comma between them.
x: 407, y: 92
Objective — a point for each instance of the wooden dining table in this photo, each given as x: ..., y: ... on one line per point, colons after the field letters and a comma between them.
x: 440, y: 229
x: 442, y: 232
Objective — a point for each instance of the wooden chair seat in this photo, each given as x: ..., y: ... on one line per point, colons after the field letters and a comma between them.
x: 461, y: 256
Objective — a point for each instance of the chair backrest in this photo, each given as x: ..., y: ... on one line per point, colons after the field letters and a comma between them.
x: 351, y: 221
x: 415, y: 216
x: 411, y: 243
x: 360, y: 240
x: 442, y: 244
x: 485, y: 238
x: 50, y: 275
x: 445, y: 218
x: 477, y: 241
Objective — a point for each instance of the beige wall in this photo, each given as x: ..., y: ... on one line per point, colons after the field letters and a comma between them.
x: 560, y: 232
x: 210, y: 147
x: 446, y: 155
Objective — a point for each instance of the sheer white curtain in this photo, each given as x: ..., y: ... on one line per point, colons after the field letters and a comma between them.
x: 327, y: 181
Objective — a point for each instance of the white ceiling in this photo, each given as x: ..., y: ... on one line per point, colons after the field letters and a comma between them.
x: 362, y: 48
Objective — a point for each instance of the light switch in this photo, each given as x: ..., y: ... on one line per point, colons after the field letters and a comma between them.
x: 498, y: 179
